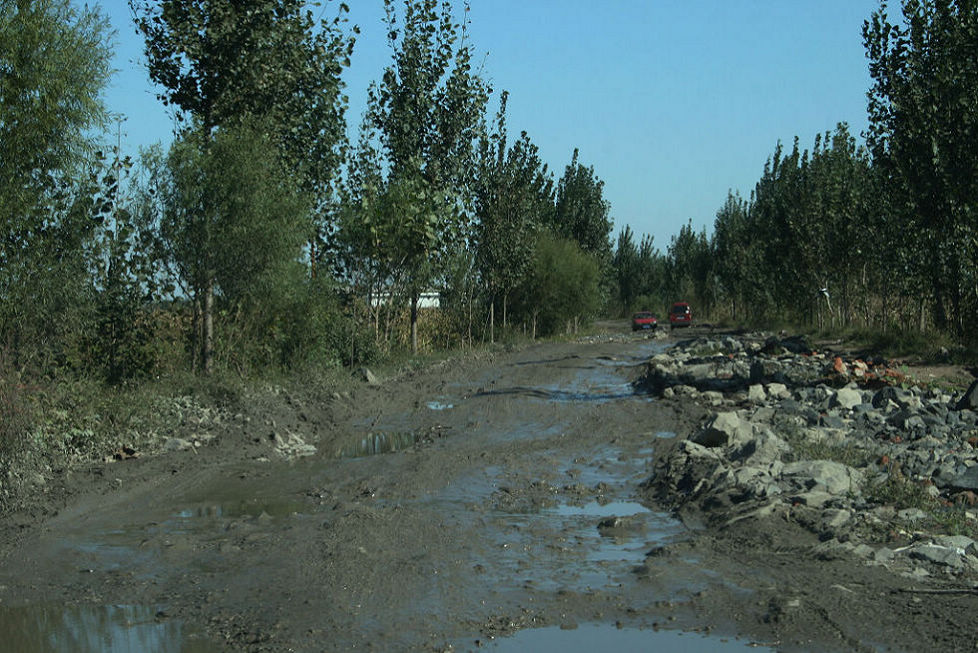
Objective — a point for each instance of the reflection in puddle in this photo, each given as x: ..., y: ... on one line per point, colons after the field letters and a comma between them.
x: 598, y: 637
x: 96, y: 629
x: 242, y: 509
x: 610, y: 509
x: 377, y: 443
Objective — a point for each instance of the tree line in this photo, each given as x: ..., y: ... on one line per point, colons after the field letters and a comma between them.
x: 879, y: 234
x: 262, y: 237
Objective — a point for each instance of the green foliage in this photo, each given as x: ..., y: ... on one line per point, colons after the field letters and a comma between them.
x: 690, y: 263
x: 223, y: 217
x: 923, y: 112
x: 563, y: 286
x: 641, y: 274
x: 582, y: 213
x: 54, y: 64
x: 514, y: 199
x: 424, y: 113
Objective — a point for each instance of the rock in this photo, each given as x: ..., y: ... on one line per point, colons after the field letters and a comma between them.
x: 726, y: 428
x: 177, y: 444
x: 825, y: 475
x: 970, y: 399
x: 761, y: 449
x: 368, y: 377
x: 834, y: 518
x: 814, y: 499
x: 966, y: 480
x: 797, y: 345
x: 941, y: 555
x: 777, y: 390
x: 846, y: 398
x: 961, y: 542
x: 884, y: 396
x: 756, y: 393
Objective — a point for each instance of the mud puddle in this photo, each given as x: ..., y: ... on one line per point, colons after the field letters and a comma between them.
x: 97, y: 629
x: 595, y: 637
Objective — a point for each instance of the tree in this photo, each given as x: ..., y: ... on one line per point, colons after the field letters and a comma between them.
x: 426, y: 111
x: 222, y: 62
x: 923, y: 113
x: 582, y: 213
x: 54, y: 65
x: 690, y: 259
x: 627, y: 266
x: 563, y: 286
x: 225, y: 220
x: 514, y: 199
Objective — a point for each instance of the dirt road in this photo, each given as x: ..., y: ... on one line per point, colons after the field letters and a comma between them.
x: 491, y: 502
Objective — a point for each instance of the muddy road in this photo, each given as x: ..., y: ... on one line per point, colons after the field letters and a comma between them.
x: 490, y: 502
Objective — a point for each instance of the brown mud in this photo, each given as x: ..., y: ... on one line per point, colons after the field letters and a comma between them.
x: 459, y: 507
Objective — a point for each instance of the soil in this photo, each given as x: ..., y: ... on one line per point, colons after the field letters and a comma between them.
x: 512, y: 499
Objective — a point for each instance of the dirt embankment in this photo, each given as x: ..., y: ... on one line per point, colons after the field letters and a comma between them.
x: 528, y: 491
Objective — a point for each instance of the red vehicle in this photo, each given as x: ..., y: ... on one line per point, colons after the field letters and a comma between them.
x: 644, y: 320
x: 680, y: 315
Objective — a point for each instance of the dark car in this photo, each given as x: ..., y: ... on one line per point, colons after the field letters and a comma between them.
x: 680, y: 315
x: 644, y: 320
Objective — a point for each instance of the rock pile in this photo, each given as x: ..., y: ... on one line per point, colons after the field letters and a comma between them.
x: 878, y: 467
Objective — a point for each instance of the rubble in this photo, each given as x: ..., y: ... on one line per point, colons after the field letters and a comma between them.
x: 877, y: 466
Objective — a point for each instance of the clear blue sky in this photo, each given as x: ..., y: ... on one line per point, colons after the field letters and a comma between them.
x: 672, y: 103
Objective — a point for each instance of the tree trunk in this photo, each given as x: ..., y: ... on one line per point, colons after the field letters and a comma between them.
x: 414, y: 322
x: 207, y: 342
x: 492, y: 321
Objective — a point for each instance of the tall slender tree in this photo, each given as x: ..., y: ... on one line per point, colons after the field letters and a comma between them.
x: 221, y: 62
x: 427, y: 109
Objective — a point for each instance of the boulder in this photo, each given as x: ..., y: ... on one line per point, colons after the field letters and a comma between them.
x: 967, y: 480
x: 725, y: 428
x: 970, y: 399
x: 756, y: 393
x: 847, y: 398
x: 826, y: 475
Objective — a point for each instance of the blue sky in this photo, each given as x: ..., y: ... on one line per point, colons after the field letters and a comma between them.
x: 672, y: 103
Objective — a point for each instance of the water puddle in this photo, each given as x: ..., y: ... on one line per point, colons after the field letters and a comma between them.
x: 439, y: 405
x: 252, y: 508
x: 378, y: 443
x: 599, y: 637
x: 609, y: 509
x: 97, y: 629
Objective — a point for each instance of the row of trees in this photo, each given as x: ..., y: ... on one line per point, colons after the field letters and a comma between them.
x: 260, y: 236
x: 883, y: 234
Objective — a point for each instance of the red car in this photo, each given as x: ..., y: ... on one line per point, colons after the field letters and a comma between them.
x: 644, y: 320
x: 680, y: 315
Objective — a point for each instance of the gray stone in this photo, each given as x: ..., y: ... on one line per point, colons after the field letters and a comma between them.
x: 937, y: 554
x: 970, y: 399
x: 177, y: 444
x: 756, y: 393
x: 726, y: 428
x: 965, y: 480
x: 883, y: 555
x: 962, y: 542
x: 836, y: 517
x: 888, y: 394
x: 826, y: 475
x: 761, y: 449
x: 846, y: 398
x: 832, y: 421
x: 813, y: 499
x: 777, y: 390
x: 367, y: 376
x: 912, y: 514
